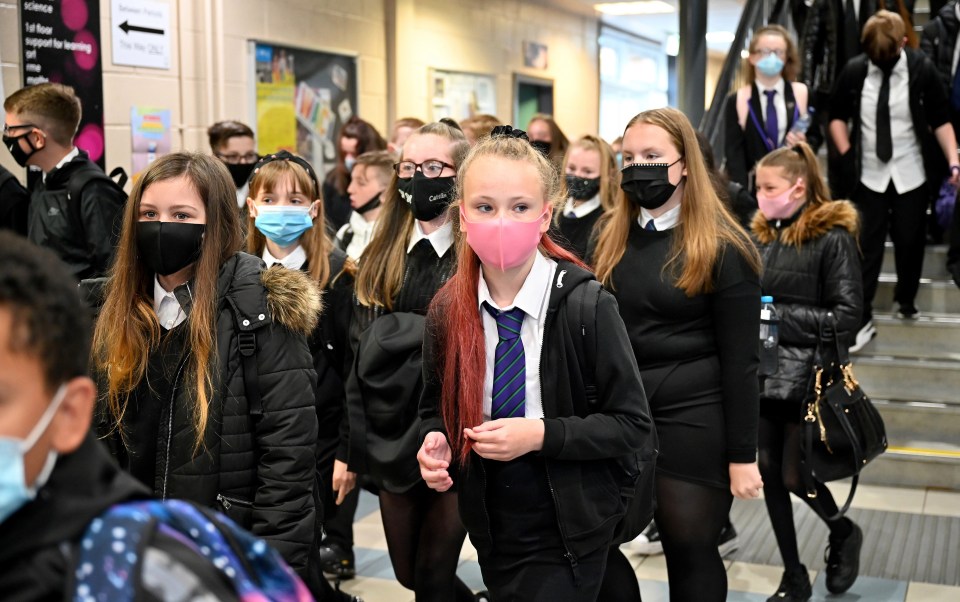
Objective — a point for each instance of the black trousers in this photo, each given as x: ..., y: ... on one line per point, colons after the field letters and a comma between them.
x: 527, y: 561
x: 903, y: 216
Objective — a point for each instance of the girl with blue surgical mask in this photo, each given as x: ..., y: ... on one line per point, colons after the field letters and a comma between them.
x: 761, y: 116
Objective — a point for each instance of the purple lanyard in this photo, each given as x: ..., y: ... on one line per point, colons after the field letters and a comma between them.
x: 771, y: 146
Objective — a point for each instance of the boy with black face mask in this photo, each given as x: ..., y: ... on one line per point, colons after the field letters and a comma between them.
x: 233, y: 143
x: 74, y: 208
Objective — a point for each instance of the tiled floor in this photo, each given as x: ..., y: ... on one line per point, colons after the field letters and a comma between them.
x: 747, y: 582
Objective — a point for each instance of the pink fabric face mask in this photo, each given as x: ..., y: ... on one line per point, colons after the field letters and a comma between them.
x: 503, y: 243
x: 780, y: 206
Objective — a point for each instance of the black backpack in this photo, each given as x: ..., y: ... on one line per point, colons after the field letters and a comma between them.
x: 582, y: 318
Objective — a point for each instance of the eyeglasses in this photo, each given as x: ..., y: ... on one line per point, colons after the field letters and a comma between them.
x: 431, y: 169
x: 236, y: 159
x: 768, y: 51
x: 7, y: 128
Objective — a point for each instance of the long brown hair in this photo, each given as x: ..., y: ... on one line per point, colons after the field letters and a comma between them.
x: 609, y: 172
x: 385, y: 258
x: 558, y: 141
x: 791, y: 63
x: 462, y: 355
x: 316, y: 242
x: 368, y: 139
x: 127, y: 330
x: 706, y: 226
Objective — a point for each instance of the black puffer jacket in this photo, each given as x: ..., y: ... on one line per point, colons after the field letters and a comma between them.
x: 811, y: 266
x: 260, y: 472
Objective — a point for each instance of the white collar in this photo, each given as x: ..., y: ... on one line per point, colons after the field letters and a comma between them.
x: 666, y: 221
x: 293, y: 261
x: 778, y: 87
x: 360, y: 223
x: 66, y: 159
x: 531, y: 296
x: 441, y: 238
x: 583, y: 209
x: 159, y: 293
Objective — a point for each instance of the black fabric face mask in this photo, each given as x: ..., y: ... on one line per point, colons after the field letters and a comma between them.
x: 427, y: 197
x: 369, y: 205
x: 240, y: 172
x: 168, y: 247
x: 582, y: 189
x: 542, y: 146
x: 13, y: 145
x: 648, y: 184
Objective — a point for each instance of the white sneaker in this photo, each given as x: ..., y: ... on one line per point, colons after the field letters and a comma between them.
x: 647, y: 543
x: 864, y: 336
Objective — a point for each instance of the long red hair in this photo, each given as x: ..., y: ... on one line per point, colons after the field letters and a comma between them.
x: 460, y: 356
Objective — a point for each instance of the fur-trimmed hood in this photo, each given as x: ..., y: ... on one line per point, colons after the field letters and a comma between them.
x: 812, y: 223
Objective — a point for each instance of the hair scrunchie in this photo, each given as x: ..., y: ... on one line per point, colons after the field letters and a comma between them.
x: 508, y: 131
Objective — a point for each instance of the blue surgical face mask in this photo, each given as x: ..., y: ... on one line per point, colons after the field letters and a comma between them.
x: 349, y: 162
x: 14, y: 491
x: 770, y: 65
x: 283, y: 225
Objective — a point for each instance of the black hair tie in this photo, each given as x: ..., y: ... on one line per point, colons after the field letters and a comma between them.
x: 508, y: 131
x: 284, y: 155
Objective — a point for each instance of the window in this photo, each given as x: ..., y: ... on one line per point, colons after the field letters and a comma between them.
x: 633, y: 78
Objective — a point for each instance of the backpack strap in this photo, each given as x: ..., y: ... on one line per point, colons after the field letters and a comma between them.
x: 251, y: 374
x: 582, y: 317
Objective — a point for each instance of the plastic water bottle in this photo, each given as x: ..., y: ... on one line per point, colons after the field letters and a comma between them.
x: 802, y: 124
x: 769, y: 337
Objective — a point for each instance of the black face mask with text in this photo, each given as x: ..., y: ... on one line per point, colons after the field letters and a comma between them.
x: 427, y: 197
x: 648, y: 184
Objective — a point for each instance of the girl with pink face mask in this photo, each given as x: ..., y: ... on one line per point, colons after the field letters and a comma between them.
x: 543, y: 464
x: 811, y: 267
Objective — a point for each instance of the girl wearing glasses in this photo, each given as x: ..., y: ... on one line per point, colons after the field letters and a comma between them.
x: 410, y: 256
x: 759, y: 116
x: 685, y: 276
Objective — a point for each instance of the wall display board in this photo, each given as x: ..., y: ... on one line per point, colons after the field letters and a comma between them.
x: 460, y: 95
x: 60, y: 42
x: 303, y: 98
x: 149, y: 135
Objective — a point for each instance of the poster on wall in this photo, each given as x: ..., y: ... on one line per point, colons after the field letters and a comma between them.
x: 150, y: 135
x: 303, y: 98
x: 60, y: 42
x: 460, y: 95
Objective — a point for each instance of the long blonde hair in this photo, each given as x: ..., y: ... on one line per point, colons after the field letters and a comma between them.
x: 127, y: 330
x: 316, y: 242
x: 706, y: 226
x: 609, y: 173
x: 384, y: 260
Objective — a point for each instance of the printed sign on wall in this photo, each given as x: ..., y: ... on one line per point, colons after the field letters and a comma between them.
x: 141, y: 33
x: 60, y: 42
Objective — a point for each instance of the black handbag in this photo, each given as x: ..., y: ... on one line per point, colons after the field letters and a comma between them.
x: 843, y: 431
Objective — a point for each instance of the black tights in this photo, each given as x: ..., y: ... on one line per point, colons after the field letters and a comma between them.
x: 779, y: 440
x: 690, y: 518
x: 620, y: 583
x: 424, y: 537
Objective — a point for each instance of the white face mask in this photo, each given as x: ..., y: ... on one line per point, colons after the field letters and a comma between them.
x: 14, y: 491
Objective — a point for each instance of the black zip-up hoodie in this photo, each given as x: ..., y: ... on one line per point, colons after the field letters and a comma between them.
x: 591, y: 452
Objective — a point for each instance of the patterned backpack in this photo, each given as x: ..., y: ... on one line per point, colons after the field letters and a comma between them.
x: 111, y: 564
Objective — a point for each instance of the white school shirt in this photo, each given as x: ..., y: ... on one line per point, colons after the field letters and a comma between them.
x: 441, y: 239
x: 362, y: 233
x: 66, y: 159
x: 532, y: 299
x: 165, y: 304
x: 293, y: 261
x: 780, y: 103
x: 668, y: 220
x: 583, y: 209
x: 905, y: 167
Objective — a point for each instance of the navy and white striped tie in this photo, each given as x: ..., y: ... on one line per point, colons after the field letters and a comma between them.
x: 510, y: 366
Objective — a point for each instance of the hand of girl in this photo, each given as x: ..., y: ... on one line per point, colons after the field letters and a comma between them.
x: 434, y: 458
x: 507, y: 438
x: 745, y: 480
x: 794, y: 138
x: 343, y: 480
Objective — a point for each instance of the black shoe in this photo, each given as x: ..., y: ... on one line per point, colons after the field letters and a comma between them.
x: 843, y: 560
x: 907, y: 312
x: 337, y: 562
x: 794, y: 587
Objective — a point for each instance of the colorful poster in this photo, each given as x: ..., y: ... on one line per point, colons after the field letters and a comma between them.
x: 303, y: 99
x: 60, y: 42
x: 150, y: 133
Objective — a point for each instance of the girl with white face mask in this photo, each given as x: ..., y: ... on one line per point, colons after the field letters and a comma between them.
x: 760, y: 116
x: 539, y: 468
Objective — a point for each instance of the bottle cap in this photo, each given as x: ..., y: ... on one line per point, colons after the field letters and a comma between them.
x: 766, y: 299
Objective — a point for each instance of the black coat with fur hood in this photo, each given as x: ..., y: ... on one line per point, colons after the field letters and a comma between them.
x: 260, y: 472
x: 811, y: 266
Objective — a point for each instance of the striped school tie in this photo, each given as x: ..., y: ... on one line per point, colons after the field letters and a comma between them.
x: 510, y: 367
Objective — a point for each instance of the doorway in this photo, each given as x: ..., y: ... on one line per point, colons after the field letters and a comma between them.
x: 532, y: 96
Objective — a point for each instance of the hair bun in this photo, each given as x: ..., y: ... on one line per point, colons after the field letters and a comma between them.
x: 508, y: 131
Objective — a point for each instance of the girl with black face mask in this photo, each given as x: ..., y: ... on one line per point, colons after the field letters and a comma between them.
x: 206, y: 377
x: 592, y: 180
x: 409, y: 258
x: 685, y: 276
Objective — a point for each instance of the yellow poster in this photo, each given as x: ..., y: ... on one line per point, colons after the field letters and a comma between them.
x: 276, y: 117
